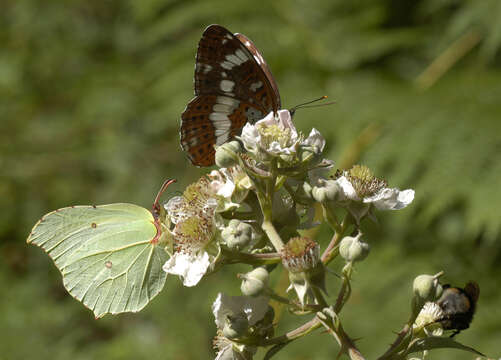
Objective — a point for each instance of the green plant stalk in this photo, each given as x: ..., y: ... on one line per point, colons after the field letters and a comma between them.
x: 331, y: 251
x: 251, y: 259
x: 345, y: 342
x: 319, y: 297
x: 297, y: 333
x: 273, y: 295
x: 330, y: 218
x: 272, y: 233
x: 344, y: 291
x: 398, y: 345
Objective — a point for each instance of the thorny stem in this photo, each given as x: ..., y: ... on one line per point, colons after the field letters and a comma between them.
x: 398, y: 344
x: 335, y: 328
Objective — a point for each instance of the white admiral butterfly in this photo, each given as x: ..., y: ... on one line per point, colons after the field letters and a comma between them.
x: 233, y: 86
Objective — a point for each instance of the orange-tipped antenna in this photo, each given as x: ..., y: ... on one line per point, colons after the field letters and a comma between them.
x: 156, y: 206
x: 305, y: 105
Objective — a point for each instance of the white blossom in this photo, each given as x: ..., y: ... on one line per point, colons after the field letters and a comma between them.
x: 191, y: 268
x: 315, y: 140
x: 254, y: 308
x: 274, y: 135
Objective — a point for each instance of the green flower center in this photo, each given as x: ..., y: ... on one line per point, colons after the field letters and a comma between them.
x: 194, y: 233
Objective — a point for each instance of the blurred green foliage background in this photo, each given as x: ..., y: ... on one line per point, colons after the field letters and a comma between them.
x: 90, y: 98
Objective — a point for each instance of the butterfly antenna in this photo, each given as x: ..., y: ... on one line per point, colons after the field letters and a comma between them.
x: 156, y: 205
x: 305, y: 105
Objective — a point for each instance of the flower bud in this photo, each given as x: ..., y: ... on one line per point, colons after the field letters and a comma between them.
x: 325, y: 190
x: 235, y: 326
x: 352, y: 249
x: 226, y: 154
x: 237, y: 234
x: 254, y: 281
x: 426, y: 288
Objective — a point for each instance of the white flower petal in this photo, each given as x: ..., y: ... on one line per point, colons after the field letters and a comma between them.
x: 268, y: 120
x: 175, y: 210
x: 225, y: 353
x: 315, y: 140
x: 253, y: 307
x: 391, y: 199
x: 190, y: 268
x: 285, y: 121
x: 250, y: 137
x: 348, y: 191
x: 222, y: 182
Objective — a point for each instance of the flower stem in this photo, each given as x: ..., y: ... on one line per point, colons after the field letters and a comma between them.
x: 345, y: 291
x: 334, y: 327
x: 330, y: 252
x: 272, y: 234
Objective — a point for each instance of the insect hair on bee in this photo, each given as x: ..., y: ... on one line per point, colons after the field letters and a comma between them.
x: 458, y: 305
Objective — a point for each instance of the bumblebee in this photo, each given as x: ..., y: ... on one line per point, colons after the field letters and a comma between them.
x: 458, y: 306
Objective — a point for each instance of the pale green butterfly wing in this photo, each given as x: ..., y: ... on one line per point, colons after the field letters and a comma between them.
x: 107, y: 255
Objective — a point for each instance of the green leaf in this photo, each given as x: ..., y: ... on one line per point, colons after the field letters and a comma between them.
x: 434, y: 342
x: 107, y: 255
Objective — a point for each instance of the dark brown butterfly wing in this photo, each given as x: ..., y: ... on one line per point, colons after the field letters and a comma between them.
x: 233, y: 85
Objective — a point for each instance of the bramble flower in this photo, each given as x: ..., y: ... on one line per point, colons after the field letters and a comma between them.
x: 301, y: 257
x: 427, y: 319
x: 244, y: 318
x: 253, y: 308
x: 315, y: 141
x: 359, y: 184
x: 271, y: 136
x: 230, y: 184
x: 194, y: 218
x: 312, y: 147
x: 360, y: 189
x: 229, y: 350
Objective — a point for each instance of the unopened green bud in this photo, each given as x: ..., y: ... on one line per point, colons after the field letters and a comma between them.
x: 237, y: 234
x: 352, y: 249
x: 226, y: 154
x: 326, y: 190
x: 254, y: 281
x: 236, y: 326
x: 426, y: 288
